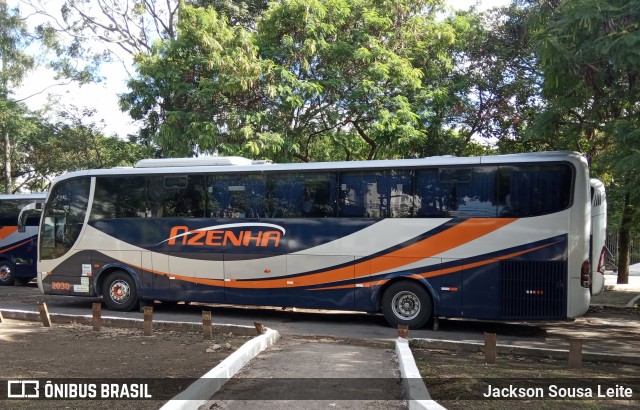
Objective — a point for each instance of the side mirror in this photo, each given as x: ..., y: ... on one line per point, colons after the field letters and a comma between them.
x: 29, y: 211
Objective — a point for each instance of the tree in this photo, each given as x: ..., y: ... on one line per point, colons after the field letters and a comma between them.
x: 128, y: 27
x: 359, y: 78
x: 48, y: 148
x: 177, y: 91
x: 588, y: 52
x: 496, y: 84
x: 15, y: 63
x: 316, y: 80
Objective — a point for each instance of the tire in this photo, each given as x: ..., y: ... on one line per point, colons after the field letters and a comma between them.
x: 119, y: 292
x: 408, y: 304
x: 7, y: 273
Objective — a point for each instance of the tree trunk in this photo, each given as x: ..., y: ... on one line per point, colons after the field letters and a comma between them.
x: 7, y: 162
x: 624, y: 250
x: 5, y: 83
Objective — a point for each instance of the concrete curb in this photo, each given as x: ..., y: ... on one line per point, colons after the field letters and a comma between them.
x: 560, y: 354
x: 414, y: 386
x: 210, y: 383
x: 633, y: 301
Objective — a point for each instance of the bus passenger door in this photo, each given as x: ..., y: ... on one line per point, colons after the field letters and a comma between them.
x: 449, y: 287
x: 321, y: 281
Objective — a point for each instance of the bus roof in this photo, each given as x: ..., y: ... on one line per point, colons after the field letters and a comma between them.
x: 226, y: 164
x: 35, y: 195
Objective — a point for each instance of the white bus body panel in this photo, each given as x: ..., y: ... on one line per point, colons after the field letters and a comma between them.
x: 598, y: 234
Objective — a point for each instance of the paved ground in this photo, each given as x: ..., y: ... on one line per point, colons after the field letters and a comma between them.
x: 277, y: 373
x: 316, y: 373
x: 615, y: 330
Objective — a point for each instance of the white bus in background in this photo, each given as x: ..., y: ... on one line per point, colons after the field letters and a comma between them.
x: 598, y: 235
x: 18, y: 247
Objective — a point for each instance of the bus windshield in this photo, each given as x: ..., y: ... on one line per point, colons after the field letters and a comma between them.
x: 63, y: 217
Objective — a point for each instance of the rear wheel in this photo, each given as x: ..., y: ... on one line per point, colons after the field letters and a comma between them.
x: 7, y: 273
x: 119, y: 291
x: 407, y: 303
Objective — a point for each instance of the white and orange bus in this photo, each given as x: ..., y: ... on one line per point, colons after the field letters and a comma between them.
x: 493, y: 237
x: 18, y: 247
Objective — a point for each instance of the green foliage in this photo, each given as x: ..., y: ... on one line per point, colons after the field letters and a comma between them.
x: 43, y: 149
x: 71, y: 143
x: 329, y: 79
x: 185, y: 87
x: 13, y: 40
x: 588, y: 50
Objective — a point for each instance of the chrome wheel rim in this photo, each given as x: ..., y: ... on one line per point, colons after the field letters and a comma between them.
x: 5, y: 272
x: 119, y: 291
x: 405, y: 305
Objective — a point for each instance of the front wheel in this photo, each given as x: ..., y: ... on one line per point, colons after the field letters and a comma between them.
x: 7, y: 274
x: 407, y: 303
x: 119, y: 291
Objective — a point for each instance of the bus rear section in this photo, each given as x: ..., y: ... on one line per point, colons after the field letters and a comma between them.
x: 18, y: 249
x: 495, y: 238
x: 598, y: 235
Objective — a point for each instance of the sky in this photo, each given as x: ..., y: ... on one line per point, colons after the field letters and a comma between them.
x: 103, y: 97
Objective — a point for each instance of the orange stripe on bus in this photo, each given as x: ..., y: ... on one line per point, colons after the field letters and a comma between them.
x: 15, y: 246
x: 441, y: 272
x: 453, y: 237
x: 7, y: 230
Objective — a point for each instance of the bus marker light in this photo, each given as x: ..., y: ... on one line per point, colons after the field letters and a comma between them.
x: 585, y: 274
x: 267, y: 271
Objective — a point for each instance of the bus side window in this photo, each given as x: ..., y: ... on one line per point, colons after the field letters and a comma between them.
x: 477, y: 197
x: 239, y: 196
x: 319, y: 199
x: 177, y: 196
x: 506, y: 204
x: 433, y: 199
x: 376, y: 194
x: 351, y: 200
x: 529, y: 190
x: 286, y: 197
x: 119, y: 197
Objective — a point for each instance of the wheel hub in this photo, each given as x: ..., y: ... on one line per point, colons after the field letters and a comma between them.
x: 120, y: 291
x: 4, y: 273
x: 406, y: 305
